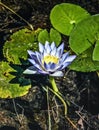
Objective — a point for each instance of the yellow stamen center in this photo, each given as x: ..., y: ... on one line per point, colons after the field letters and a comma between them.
x: 47, y: 59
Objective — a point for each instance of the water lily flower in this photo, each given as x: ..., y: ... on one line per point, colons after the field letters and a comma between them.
x: 49, y: 60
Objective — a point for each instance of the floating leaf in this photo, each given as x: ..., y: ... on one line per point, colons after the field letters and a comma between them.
x: 9, y: 89
x: 84, y: 62
x: 64, y: 17
x: 43, y: 36
x: 53, y: 36
x: 19, y: 43
x: 85, y: 35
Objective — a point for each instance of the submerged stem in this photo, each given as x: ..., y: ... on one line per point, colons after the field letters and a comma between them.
x: 49, y: 114
x: 57, y: 93
x: 61, y: 99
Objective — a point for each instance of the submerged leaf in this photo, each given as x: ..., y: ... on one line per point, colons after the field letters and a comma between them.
x: 10, y: 89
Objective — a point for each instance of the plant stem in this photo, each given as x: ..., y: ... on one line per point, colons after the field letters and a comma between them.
x: 54, y: 86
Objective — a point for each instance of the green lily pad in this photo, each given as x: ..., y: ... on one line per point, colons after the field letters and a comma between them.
x: 96, y: 51
x: 52, y: 36
x: 43, y: 36
x: 84, y: 62
x: 9, y: 89
x: 84, y: 35
x: 64, y: 17
x: 19, y: 43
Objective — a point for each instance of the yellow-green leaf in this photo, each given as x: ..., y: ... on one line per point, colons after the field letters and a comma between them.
x: 9, y: 89
x: 19, y: 43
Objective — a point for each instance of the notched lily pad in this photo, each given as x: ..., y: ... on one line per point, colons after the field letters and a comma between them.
x: 52, y: 36
x: 86, y: 34
x: 19, y: 43
x: 64, y: 17
x: 8, y: 88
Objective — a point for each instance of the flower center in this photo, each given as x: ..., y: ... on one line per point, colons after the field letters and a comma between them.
x: 47, y: 59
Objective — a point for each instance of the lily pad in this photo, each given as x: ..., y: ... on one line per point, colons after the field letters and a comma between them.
x: 96, y: 51
x: 43, y: 36
x: 84, y: 35
x: 84, y: 62
x: 19, y: 43
x: 52, y: 36
x: 65, y: 16
x: 7, y: 88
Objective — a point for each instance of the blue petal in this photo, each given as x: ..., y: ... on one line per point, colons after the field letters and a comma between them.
x: 38, y: 66
x: 57, y: 74
x: 64, y: 56
x: 34, y: 57
x: 38, y: 55
x: 45, y: 53
x: 27, y: 71
x: 47, y: 66
x: 35, y: 64
x: 30, y: 70
x: 68, y: 61
x: 46, y: 44
x: 41, y: 47
x: 32, y: 61
x: 31, y: 53
x: 47, y: 47
x: 58, y: 53
x: 70, y: 58
x: 65, y: 65
x: 53, y: 52
x: 52, y: 66
x: 53, y: 45
x: 42, y: 72
x: 61, y: 47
